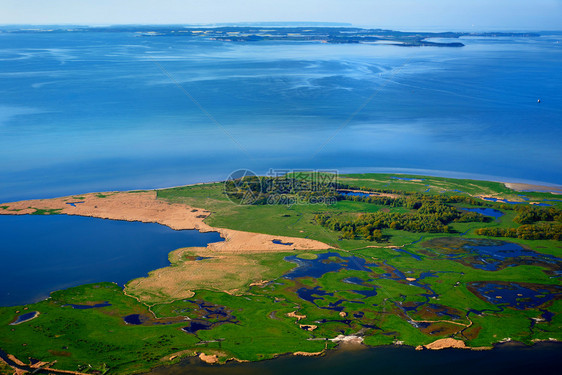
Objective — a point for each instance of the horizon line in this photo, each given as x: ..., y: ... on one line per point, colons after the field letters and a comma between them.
x: 435, y: 29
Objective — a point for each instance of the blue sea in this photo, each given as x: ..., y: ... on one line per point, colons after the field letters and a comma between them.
x: 85, y: 111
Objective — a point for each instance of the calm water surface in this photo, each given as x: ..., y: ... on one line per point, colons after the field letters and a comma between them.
x: 41, y: 254
x: 96, y: 111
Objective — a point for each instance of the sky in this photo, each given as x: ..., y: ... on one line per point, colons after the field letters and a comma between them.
x: 466, y: 15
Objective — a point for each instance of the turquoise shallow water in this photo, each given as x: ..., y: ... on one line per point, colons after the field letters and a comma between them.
x: 101, y: 111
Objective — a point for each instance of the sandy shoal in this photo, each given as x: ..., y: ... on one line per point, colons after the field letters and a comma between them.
x: 446, y: 343
x: 530, y: 187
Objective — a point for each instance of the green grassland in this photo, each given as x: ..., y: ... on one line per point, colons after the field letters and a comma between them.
x: 414, y: 311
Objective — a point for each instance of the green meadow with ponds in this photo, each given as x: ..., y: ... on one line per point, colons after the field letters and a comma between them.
x: 405, y: 288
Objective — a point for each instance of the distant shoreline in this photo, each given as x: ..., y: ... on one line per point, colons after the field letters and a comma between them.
x: 519, y: 185
x: 523, y: 184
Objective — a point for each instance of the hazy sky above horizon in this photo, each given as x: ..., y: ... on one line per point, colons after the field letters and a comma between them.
x: 397, y: 14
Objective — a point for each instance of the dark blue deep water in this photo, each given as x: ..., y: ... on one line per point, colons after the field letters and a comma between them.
x: 41, y: 254
x: 86, y: 112
x: 503, y: 360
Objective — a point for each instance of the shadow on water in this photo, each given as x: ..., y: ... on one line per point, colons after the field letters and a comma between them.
x: 509, y: 359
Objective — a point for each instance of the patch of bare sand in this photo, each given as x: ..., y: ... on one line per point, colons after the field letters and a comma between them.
x: 384, y: 247
x: 212, y: 358
x: 308, y: 327
x: 451, y: 343
x: 260, y: 283
x: 446, y: 343
x: 531, y: 187
x: 229, y: 269
x: 499, y: 198
x: 293, y: 314
x: 309, y: 354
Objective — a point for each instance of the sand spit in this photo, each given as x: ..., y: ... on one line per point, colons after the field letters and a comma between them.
x: 531, y: 187
x: 212, y: 358
x: 450, y: 343
x: 446, y: 343
x: 352, y: 339
x: 309, y: 354
x: 145, y: 207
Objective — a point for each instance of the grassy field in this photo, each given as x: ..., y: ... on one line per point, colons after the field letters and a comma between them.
x: 413, y: 295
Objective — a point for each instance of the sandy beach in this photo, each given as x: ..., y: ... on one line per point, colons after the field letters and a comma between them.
x: 530, y: 187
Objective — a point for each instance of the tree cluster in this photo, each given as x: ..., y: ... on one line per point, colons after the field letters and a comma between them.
x: 430, y: 215
x: 539, y: 231
x: 531, y: 214
x: 538, y: 223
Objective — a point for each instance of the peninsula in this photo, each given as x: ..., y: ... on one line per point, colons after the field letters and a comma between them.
x: 367, y: 259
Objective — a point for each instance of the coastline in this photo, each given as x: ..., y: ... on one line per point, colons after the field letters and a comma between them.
x: 346, y: 352
x: 145, y: 206
x: 523, y: 187
x: 516, y: 184
x: 452, y: 175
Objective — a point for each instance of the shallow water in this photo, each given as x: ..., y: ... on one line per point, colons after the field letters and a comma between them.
x: 491, y: 253
x: 322, y: 264
x: 41, y: 254
x: 488, y: 254
x: 516, y: 295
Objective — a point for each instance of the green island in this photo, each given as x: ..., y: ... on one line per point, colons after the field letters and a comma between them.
x: 409, y: 260
x: 291, y: 32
